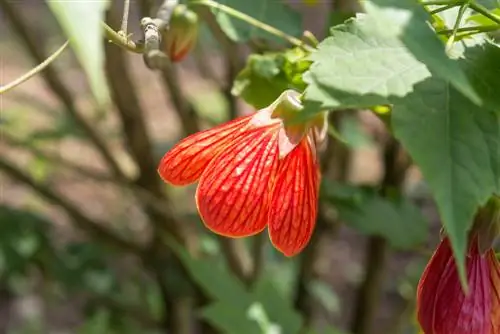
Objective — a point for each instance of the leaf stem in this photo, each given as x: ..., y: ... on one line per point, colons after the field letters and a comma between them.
x: 33, y: 71
x: 252, y: 21
x: 122, y: 40
x: 442, y: 9
x: 458, y: 20
x: 126, y: 8
x: 475, y: 30
x: 440, y: 2
x: 484, y: 11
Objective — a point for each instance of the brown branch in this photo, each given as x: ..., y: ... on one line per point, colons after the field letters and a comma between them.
x: 396, y: 163
x: 258, y: 248
x: 34, y: 46
x: 57, y: 159
x: 185, y: 110
x: 92, y: 227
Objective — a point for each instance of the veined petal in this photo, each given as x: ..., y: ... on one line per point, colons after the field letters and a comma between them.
x: 294, y: 201
x: 233, y: 193
x: 443, y: 308
x: 185, y: 162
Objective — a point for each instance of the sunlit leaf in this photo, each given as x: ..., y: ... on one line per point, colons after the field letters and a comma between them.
x: 457, y: 147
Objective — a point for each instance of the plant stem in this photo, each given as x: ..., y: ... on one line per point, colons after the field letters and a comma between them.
x: 440, y: 2
x: 461, y: 13
x: 484, y: 11
x: 442, y: 9
x: 121, y: 40
x: 126, y: 9
x: 34, y: 70
x: 476, y: 30
x: 252, y: 21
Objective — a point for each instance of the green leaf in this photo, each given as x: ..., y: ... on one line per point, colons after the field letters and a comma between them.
x: 325, y: 294
x: 271, y: 12
x: 357, y: 67
x: 266, y: 76
x: 81, y: 21
x: 276, y: 306
x: 408, y: 24
x: 214, y: 277
x: 481, y: 63
x: 483, y: 20
x: 457, y: 147
x: 397, y: 220
x: 230, y: 319
x: 23, y: 238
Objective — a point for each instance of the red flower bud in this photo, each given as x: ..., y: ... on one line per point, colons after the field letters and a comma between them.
x: 182, y: 33
x: 442, y: 305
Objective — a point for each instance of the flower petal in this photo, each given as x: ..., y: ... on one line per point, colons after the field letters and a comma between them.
x: 233, y: 193
x: 494, y: 265
x: 187, y: 160
x: 294, y: 201
x: 442, y: 305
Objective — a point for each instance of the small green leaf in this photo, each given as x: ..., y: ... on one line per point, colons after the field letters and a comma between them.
x: 230, y: 319
x: 358, y: 67
x: 277, y: 308
x: 271, y: 12
x: 400, y: 222
x: 483, y: 20
x: 408, y: 24
x: 266, y: 76
x: 81, y: 21
x: 325, y: 294
x: 457, y: 147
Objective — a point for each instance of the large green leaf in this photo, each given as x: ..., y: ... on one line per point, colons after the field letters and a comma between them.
x: 457, y: 147
x: 482, y: 65
x: 272, y: 12
x: 81, y: 21
x: 405, y: 20
x: 358, y: 67
x: 230, y: 319
x: 399, y: 221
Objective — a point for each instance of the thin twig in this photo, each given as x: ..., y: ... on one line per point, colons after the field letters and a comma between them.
x: 56, y: 159
x: 34, y: 46
x: 34, y: 70
x: 476, y: 29
x: 458, y: 20
x: 252, y: 21
x: 121, y: 40
x: 126, y: 9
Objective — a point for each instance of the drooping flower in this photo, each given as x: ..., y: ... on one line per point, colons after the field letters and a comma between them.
x: 254, y: 172
x: 442, y: 305
x: 182, y: 33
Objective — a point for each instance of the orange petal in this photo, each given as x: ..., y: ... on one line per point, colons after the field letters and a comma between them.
x: 185, y: 162
x: 294, y: 202
x: 233, y: 193
x: 442, y: 306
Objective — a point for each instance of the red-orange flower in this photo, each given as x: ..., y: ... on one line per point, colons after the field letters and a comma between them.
x: 443, y: 307
x: 253, y: 172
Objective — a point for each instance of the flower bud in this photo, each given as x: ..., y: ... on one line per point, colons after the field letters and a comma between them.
x: 182, y: 33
